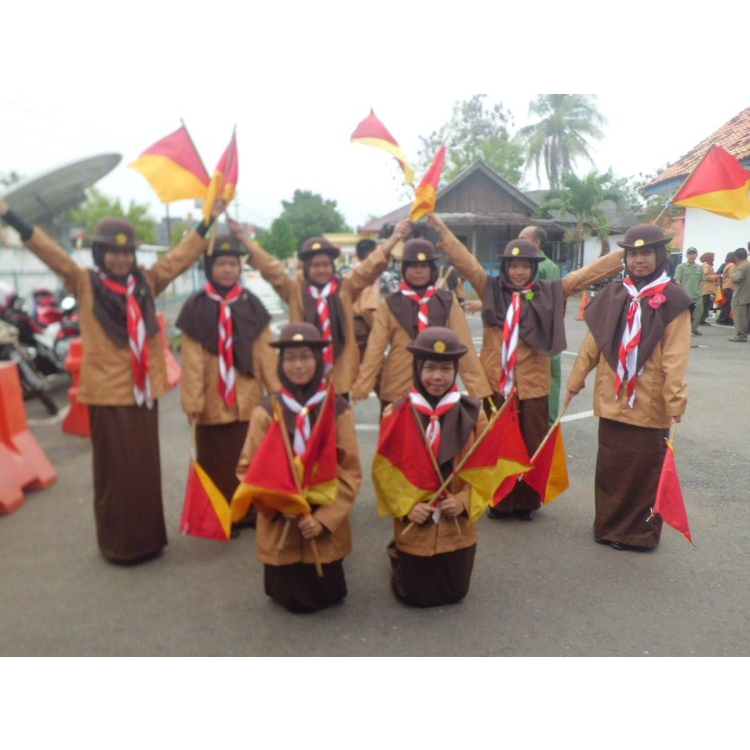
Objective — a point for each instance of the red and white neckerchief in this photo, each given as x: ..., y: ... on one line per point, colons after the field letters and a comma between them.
x: 136, y: 338
x: 302, y: 427
x: 323, y: 309
x: 510, y: 343
x: 631, y: 335
x: 227, y: 388
x: 432, y: 433
x: 423, y: 316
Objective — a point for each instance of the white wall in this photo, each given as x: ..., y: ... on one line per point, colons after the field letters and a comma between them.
x: 710, y: 232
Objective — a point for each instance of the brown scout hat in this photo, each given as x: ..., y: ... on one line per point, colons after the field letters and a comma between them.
x: 644, y: 236
x: 521, y: 250
x: 437, y: 343
x: 316, y: 246
x: 115, y: 232
x: 418, y: 251
x: 300, y: 334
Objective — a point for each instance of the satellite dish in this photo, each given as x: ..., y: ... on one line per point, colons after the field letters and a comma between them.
x: 40, y: 199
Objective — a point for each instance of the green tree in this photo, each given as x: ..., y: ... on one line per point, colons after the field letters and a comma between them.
x: 8, y: 179
x: 98, y: 206
x: 561, y: 135
x: 475, y: 131
x: 580, y: 199
x: 279, y: 240
x: 310, y: 215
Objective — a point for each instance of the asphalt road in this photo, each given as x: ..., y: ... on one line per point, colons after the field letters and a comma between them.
x: 539, y: 589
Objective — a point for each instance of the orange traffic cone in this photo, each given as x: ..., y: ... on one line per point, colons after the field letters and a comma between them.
x: 584, y: 302
x: 11, y: 492
x: 77, y: 420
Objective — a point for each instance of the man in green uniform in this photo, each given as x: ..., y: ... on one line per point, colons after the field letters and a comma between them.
x: 689, y: 276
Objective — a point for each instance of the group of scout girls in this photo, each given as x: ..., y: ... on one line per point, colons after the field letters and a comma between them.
x: 237, y: 383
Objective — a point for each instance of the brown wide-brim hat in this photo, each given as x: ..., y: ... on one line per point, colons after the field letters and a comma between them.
x: 522, y: 250
x: 300, y: 334
x: 116, y: 233
x: 418, y: 251
x: 317, y: 246
x: 437, y: 343
x: 644, y: 236
x: 227, y: 244
x: 707, y: 258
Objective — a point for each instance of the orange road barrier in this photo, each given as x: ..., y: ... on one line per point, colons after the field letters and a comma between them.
x: 174, y: 372
x: 76, y: 421
x: 11, y: 492
x: 584, y: 302
x: 32, y: 467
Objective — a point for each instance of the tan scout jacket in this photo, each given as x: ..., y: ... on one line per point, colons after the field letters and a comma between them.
x: 107, y: 370
x: 397, y: 364
x: 335, y: 541
x: 430, y: 539
x: 200, y: 382
x: 352, y: 285
x: 532, y: 369
x: 660, y: 392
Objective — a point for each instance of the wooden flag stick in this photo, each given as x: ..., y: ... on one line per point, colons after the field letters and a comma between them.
x: 549, y: 434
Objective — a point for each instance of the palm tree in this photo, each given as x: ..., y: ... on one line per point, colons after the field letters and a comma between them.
x: 560, y: 137
x: 581, y: 199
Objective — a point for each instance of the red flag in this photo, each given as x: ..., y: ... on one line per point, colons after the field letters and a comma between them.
x: 173, y: 168
x: 498, y: 460
x: 402, y: 470
x: 549, y: 477
x: 224, y: 181
x: 320, y: 460
x: 206, y: 511
x: 372, y: 132
x: 512, y: 448
x: 269, y: 480
x: 670, y: 504
x: 719, y: 184
x: 426, y: 194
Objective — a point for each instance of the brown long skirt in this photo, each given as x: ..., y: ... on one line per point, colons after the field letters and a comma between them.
x: 533, y: 417
x: 218, y: 448
x: 431, y: 581
x: 628, y: 466
x: 127, y: 482
x: 298, y: 588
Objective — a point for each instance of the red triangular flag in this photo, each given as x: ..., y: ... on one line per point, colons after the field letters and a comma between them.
x: 549, y: 477
x: 320, y: 460
x: 670, y: 504
x: 513, y: 448
x: 206, y: 511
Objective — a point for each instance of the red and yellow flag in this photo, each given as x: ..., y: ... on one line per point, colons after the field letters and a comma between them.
x: 402, y: 470
x: 269, y: 480
x: 206, y: 511
x: 173, y: 168
x: 499, y: 457
x: 670, y: 504
x: 549, y: 477
x: 224, y: 180
x: 372, y: 132
x: 319, y: 464
x: 426, y: 194
x: 719, y: 184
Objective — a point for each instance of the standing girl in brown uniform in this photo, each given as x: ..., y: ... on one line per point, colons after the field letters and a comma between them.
x: 123, y: 374
x: 289, y: 573
x: 227, y: 362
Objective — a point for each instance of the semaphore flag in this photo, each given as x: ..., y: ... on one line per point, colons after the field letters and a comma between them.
x: 670, y: 504
x: 549, y: 477
x: 719, y: 184
x: 224, y: 180
x: 426, y: 193
x: 173, y: 168
x: 513, y: 449
x: 318, y: 466
x: 206, y: 511
x: 372, y: 132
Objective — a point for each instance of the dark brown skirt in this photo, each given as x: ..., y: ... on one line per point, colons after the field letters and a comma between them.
x: 298, y: 588
x: 628, y: 467
x: 127, y: 482
x: 218, y: 448
x: 533, y: 416
x: 431, y: 581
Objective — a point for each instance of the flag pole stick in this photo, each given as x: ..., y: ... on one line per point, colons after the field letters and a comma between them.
x: 469, y: 453
x: 692, y: 172
x: 549, y: 434
x: 288, y: 450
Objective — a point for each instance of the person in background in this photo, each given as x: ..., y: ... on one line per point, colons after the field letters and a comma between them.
x: 741, y: 296
x: 709, y: 285
x: 123, y: 374
x: 726, y: 270
x: 689, y: 275
x: 365, y: 305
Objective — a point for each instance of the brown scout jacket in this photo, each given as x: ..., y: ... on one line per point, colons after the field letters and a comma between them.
x: 200, y: 382
x: 335, y: 541
x: 434, y: 539
x: 532, y: 369
x: 107, y: 370
x: 352, y: 285
x: 397, y: 365
x: 661, y: 391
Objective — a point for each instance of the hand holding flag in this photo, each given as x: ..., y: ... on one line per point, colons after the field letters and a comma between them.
x: 224, y: 181
x: 426, y: 193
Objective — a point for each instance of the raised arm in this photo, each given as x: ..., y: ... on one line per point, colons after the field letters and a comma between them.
x: 602, y: 268
x: 468, y: 266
